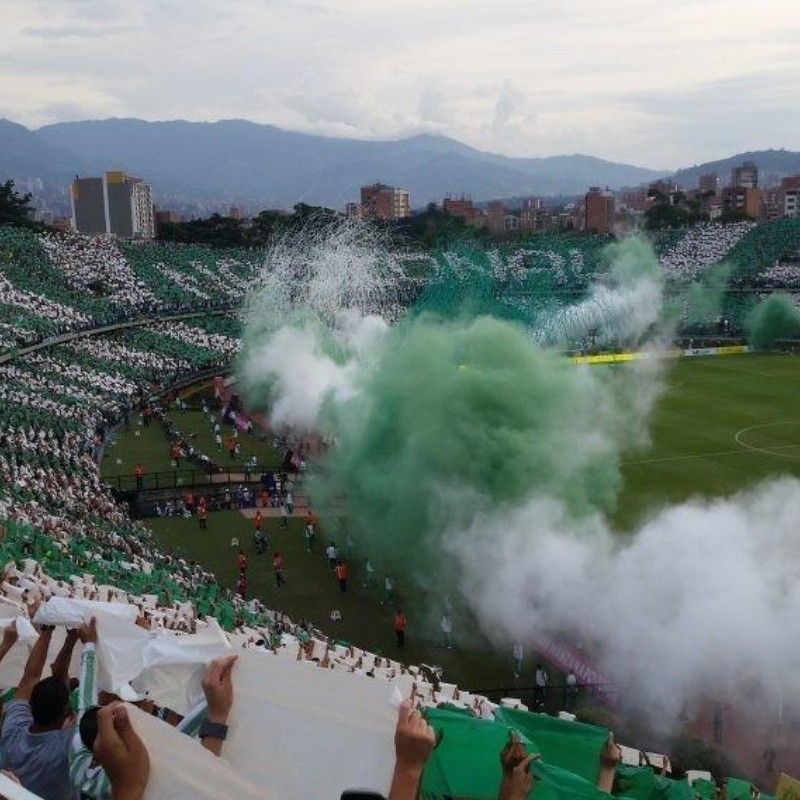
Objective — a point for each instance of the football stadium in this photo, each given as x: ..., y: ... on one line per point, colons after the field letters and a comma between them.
x: 348, y: 515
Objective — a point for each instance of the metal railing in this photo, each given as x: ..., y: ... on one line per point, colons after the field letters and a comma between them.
x: 554, y: 697
x: 184, y: 478
x: 82, y: 333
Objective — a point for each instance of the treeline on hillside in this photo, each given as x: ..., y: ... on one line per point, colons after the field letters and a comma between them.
x: 426, y: 229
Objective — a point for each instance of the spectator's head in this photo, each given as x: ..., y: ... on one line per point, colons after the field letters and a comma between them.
x: 88, y: 727
x: 49, y: 703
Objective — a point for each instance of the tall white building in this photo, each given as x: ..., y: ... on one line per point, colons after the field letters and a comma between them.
x: 116, y: 203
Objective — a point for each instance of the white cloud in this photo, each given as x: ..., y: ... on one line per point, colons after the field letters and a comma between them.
x: 535, y: 77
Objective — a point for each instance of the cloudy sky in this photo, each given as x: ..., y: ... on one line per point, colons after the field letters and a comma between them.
x: 663, y: 83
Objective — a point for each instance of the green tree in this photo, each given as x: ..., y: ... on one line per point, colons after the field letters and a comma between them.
x: 15, y: 209
x: 665, y: 215
x: 734, y: 215
x: 214, y: 231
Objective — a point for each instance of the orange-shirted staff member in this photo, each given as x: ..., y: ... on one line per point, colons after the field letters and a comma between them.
x: 341, y: 576
x: 258, y: 521
x: 202, y: 515
x: 400, y: 623
x: 138, y: 472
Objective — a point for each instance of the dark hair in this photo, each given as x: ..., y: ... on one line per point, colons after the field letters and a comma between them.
x: 49, y: 702
x: 88, y: 727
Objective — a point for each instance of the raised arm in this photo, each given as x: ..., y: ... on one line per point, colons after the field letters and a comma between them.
x: 517, y: 781
x: 121, y: 753
x: 87, y: 690
x: 414, y: 741
x: 60, y: 667
x: 218, y: 689
x: 10, y: 636
x: 35, y: 664
x: 610, y: 756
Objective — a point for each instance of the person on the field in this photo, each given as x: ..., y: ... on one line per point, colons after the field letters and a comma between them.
x: 258, y: 521
x: 446, y: 627
x: 388, y: 591
x: 333, y: 555
x: 278, y: 567
x: 400, y: 623
x: 518, y: 654
x: 241, y: 561
x: 369, y: 572
x: 310, y: 538
x: 341, y: 576
x: 541, y: 679
x: 571, y: 693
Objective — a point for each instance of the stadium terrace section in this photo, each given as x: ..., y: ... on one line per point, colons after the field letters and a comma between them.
x: 65, y: 535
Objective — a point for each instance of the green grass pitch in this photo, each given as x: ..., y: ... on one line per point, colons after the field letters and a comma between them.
x: 721, y: 425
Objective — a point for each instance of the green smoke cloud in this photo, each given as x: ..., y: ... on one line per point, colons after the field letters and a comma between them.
x: 705, y: 297
x: 444, y: 415
x: 473, y: 405
x: 774, y: 318
x: 466, y: 415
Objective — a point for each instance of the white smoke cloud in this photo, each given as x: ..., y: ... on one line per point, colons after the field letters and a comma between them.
x: 703, y: 600
x: 303, y: 375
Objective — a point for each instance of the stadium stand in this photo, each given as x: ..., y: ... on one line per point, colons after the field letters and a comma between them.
x: 72, y: 553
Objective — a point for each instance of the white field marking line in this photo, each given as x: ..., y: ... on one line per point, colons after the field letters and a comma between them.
x: 765, y: 450
x: 748, y: 371
x: 681, y: 458
x: 718, y: 453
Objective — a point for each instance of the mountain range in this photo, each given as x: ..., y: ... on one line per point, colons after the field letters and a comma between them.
x: 262, y: 166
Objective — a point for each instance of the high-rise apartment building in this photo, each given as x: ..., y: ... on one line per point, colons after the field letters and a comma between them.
x: 379, y: 201
x: 791, y: 203
x: 710, y: 183
x: 599, y: 210
x: 116, y: 203
x: 744, y: 199
x: 746, y: 176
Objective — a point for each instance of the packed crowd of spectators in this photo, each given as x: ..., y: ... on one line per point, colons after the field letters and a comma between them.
x: 57, y: 283
x: 227, y: 346
x: 703, y: 246
x: 94, y: 264
x: 183, y: 276
x: 26, y: 316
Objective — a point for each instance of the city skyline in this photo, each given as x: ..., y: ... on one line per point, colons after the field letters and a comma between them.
x: 660, y: 86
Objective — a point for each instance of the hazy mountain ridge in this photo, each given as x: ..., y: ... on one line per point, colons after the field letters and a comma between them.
x: 236, y: 161
x: 261, y: 165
